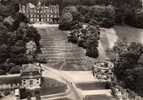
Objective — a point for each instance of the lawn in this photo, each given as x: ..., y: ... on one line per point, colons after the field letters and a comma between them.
x: 51, y: 86
x: 111, y: 35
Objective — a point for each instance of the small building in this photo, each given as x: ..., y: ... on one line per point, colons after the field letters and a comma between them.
x: 31, y: 77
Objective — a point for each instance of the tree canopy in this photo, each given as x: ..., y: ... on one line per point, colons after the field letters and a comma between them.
x: 126, y: 66
x: 14, y: 35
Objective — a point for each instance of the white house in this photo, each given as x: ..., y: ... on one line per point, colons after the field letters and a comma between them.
x: 31, y: 77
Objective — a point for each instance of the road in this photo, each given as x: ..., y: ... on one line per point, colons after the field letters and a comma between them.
x: 73, y: 91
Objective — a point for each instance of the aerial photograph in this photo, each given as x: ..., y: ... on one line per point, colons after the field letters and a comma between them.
x: 71, y: 49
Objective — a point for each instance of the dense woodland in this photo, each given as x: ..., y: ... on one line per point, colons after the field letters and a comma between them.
x: 128, y: 65
x: 15, y: 34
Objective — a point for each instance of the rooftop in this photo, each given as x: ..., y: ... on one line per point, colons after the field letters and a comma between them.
x: 31, y: 71
x: 30, y: 68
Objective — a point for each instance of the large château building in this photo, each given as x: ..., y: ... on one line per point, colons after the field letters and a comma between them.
x: 41, y: 13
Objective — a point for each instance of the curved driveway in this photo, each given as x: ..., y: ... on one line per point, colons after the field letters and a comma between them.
x: 73, y: 91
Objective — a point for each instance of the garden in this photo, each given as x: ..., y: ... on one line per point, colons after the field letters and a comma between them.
x: 84, y: 21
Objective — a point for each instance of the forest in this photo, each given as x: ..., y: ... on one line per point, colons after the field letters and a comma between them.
x: 16, y: 37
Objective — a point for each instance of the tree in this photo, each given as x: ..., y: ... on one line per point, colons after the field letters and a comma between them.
x: 124, y: 8
x: 93, y: 35
x: 14, y: 34
x: 66, y: 21
x: 126, y: 66
x: 87, y: 38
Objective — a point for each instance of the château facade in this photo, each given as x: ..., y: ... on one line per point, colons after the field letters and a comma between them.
x: 41, y: 13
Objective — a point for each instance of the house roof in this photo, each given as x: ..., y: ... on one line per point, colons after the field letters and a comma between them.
x: 30, y: 68
x: 30, y: 71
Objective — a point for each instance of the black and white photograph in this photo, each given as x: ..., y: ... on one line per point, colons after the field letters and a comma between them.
x: 71, y: 49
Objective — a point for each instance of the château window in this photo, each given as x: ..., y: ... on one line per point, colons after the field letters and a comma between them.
x: 24, y: 82
x: 38, y: 81
x: 31, y: 82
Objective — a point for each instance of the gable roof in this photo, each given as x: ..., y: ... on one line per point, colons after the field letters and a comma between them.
x: 30, y: 68
x: 30, y: 71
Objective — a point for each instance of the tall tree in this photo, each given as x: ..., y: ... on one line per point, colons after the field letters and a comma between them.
x: 125, y: 7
